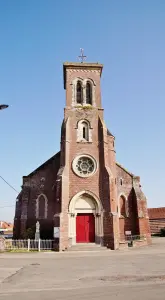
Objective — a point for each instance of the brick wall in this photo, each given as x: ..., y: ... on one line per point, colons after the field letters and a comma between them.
x: 129, y: 222
x: 156, y: 219
x: 61, y: 184
x: 41, y: 181
x: 100, y: 184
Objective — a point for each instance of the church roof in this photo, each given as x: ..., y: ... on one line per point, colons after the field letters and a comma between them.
x: 57, y: 156
x: 120, y: 166
x: 44, y: 164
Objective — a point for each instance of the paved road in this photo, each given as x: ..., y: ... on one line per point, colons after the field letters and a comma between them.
x: 131, y: 273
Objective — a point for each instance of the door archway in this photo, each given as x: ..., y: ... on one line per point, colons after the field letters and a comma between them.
x: 85, y: 219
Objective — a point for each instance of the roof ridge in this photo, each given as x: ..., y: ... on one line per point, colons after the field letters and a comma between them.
x: 157, y: 207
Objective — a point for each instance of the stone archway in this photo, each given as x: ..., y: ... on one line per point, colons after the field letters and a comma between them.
x: 82, y: 204
x: 123, y: 213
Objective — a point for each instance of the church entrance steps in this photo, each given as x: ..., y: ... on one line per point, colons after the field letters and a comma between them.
x: 87, y: 247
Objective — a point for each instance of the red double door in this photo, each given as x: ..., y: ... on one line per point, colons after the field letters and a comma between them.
x: 85, y: 228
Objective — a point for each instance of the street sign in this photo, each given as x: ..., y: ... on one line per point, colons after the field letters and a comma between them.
x: 56, y: 232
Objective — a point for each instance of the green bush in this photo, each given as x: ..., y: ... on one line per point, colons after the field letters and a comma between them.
x: 29, y: 233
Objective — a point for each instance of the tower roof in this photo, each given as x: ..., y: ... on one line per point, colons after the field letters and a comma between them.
x: 77, y: 65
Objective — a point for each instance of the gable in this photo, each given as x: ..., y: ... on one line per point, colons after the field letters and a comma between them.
x: 55, y: 158
x: 122, y: 169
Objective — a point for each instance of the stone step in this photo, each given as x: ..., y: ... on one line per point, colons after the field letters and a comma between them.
x: 87, y: 247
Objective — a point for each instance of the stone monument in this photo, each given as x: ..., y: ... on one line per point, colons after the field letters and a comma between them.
x: 37, y: 233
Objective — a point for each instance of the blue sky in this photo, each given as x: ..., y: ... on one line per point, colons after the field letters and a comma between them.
x: 36, y: 37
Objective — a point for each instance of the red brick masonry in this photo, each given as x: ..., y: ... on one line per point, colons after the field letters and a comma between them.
x: 157, y: 219
x: 120, y: 204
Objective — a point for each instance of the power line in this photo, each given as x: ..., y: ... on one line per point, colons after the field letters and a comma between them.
x: 9, y: 184
x: 7, y: 206
x: 11, y: 188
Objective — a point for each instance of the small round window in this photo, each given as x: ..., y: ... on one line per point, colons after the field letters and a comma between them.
x: 84, y: 165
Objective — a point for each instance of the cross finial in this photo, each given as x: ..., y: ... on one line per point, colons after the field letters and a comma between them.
x: 82, y: 57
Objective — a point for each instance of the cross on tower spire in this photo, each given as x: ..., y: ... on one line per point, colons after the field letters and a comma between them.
x: 82, y: 57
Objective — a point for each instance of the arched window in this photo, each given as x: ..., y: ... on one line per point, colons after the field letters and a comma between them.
x: 88, y: 93
x: 122, y: 206
x: 83, y: 131
x: 41, y: 207
x: 79, y: 94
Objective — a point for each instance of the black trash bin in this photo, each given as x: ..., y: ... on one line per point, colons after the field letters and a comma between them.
x: 130, y: 243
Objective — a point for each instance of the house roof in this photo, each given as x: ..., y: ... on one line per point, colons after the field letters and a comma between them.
x: 6, y: 225
x: 156, y: 213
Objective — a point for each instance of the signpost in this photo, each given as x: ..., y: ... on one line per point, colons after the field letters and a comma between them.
x: 56, y: 232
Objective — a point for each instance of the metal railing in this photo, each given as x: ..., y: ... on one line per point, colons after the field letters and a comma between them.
x: 27, y: 245
x: 130, y: 237
x: 135, y: 237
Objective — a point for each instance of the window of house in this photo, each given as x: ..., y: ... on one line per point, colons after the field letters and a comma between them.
x: 88, y: 93
x: 79, y: 94
x: 121, y: 181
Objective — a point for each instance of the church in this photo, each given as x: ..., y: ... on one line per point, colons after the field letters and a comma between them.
x: 82, y: 195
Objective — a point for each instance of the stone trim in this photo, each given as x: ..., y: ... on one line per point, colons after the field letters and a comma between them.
x: 80, y: 131
x: 96, y: 210
x: 74, y: 163
x: 126, y: 205
x: 72, y: 202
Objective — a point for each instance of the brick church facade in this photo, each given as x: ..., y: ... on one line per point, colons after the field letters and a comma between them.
x: 81, y: 194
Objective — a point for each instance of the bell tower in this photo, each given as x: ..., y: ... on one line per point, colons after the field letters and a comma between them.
x: 82, y: 84
x: 86, y: 179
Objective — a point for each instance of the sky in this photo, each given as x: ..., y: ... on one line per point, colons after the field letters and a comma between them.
x: 36, y: 37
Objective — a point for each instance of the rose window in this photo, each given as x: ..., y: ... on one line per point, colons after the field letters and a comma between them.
x: 84, y: 166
